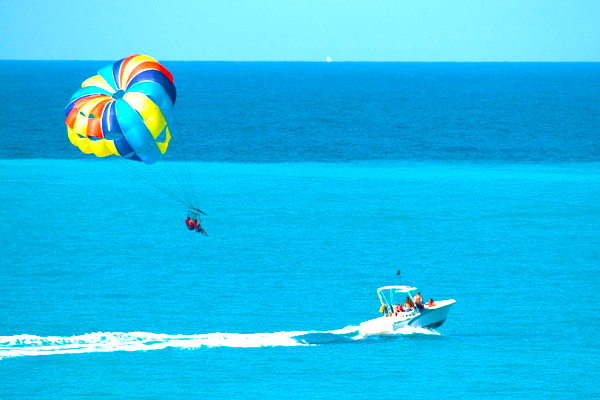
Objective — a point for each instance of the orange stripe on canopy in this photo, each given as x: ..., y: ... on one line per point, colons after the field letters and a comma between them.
x: 94, y: 125
x: 70, y: 121
x: 146, y: 65
x: 122, y: 68
x: 94, y: 128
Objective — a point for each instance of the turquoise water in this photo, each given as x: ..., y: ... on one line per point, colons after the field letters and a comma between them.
x: 480, y: 182
x: 105, y: 279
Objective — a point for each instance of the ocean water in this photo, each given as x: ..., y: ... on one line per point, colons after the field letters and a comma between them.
x: 480, y: 182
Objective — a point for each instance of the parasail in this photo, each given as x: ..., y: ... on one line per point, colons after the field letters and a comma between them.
x: 124, y: 111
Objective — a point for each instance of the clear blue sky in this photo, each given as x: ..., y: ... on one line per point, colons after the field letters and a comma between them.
x: 303, y: 30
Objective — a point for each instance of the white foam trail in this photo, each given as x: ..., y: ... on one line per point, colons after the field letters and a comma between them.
x: 31, y: 345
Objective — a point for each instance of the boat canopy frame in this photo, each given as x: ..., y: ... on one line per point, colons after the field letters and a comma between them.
x: 390, y: 300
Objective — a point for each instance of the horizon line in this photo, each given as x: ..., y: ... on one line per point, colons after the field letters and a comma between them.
x: 314, y: 61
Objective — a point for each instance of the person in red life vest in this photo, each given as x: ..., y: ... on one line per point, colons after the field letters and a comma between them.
x: 431, y: 303
x: 189, y: 223
x: 398, y: 309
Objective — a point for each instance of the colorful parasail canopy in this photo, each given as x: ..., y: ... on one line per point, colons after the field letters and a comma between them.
x: 125, y: 110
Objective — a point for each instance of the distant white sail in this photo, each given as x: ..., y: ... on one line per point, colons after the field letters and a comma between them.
x: 328, y: 59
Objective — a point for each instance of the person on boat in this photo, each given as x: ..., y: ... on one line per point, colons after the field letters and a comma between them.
x: 430, y: 304
x: 383, y: 309
x: 398, y: 309
x: 408, y: 304
x: 418, y: 299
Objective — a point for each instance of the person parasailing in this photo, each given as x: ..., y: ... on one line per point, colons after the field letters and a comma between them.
x: 190, y: 223
x: 194, y: 224
x: 199, y: 228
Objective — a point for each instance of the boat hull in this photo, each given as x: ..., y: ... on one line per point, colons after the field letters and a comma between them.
x: 429, y: 318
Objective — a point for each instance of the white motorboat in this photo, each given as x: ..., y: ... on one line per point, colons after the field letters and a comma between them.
x: 397, y: 317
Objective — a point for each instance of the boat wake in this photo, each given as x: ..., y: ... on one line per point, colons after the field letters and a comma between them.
x: 102, y: 342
